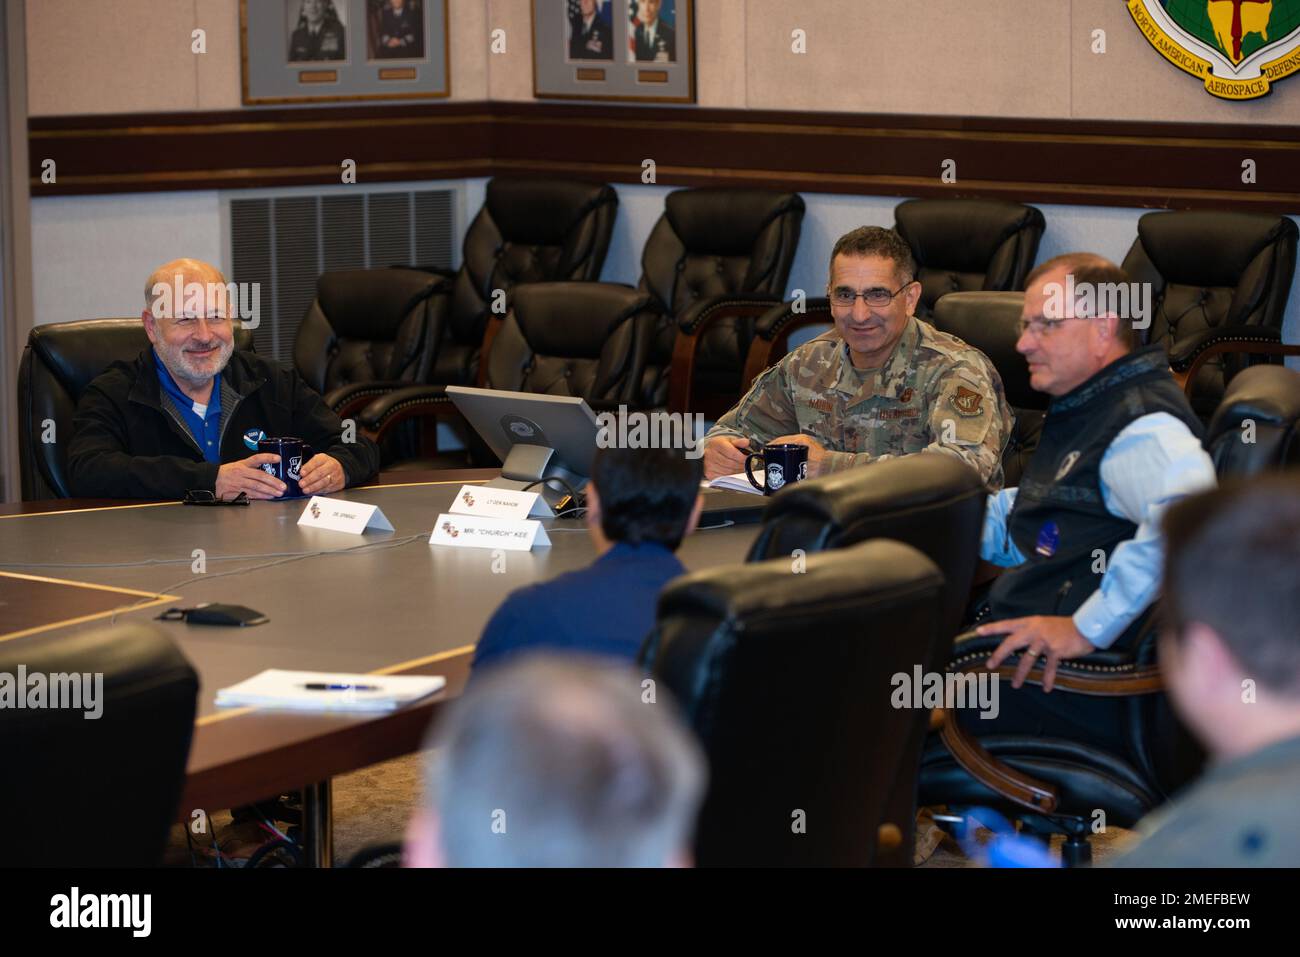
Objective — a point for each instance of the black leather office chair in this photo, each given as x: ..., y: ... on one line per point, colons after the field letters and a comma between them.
x: 101, y: 792
x: 528, y: 231
x: 774, y: 328
x: 60, y: 360
x: 367, y: 332
x: 1220, y: 284
x: 931, y: 501
x: 988, y: 321
x: 579, y: 340
x: 968, y: 244
x: 1057, y: 785
x: 1257, y: 425
x: 787, y: 680
x: 716, y: 260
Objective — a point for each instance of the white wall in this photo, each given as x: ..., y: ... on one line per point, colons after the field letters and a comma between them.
x: 91, y: 255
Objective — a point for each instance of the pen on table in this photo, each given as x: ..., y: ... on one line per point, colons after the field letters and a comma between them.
x: 322, y: 686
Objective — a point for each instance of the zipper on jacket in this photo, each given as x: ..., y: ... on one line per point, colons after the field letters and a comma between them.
x: 185, y: 429
x: 221, y: 435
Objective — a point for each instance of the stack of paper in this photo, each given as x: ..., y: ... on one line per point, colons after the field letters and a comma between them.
x: 738, y: 482
x: 328, y: 691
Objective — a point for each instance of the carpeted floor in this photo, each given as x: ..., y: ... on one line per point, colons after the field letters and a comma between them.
x: 372, y: 806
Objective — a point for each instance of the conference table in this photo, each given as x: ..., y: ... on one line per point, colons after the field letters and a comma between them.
x: 379, y: 603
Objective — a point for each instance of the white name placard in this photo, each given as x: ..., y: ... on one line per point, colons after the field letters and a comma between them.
x: 340, y: 516
x: 495, y: 502
x: 476, y: 531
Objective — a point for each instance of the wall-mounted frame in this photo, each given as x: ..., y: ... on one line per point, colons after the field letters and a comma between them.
x: 303, y: 51
x: 614, y: 50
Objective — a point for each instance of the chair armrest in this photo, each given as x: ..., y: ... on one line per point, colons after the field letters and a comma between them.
x: 347, y: 400
x: 1101, y: 674
x: 691, y: 327
x: 1186, y: 361
x: 772, y: 336
x: 1185, y: 352
x: 1001, y: 778
x: 777, y: 322
x: 383, y: 414
x: 1104, y: 674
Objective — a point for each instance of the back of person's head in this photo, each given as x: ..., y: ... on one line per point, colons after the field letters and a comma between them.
x: 646, y: 495
x: 555, y: 762
x: 1233, y: 565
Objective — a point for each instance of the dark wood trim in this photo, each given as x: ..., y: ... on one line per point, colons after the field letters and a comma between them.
x: 1188, y: 379
x: 1087, y: 162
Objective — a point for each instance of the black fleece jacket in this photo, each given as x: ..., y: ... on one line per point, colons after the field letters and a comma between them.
x: 128, y: 441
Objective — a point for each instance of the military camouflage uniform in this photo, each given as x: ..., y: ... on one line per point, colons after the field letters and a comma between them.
x: 934, y: 394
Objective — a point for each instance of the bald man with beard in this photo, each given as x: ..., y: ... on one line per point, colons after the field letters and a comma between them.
x: 187, y: 412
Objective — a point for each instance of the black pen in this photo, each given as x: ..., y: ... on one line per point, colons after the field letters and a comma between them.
x: 321, y: 686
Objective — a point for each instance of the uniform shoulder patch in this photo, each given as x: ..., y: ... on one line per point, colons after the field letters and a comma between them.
x: 967, y: 401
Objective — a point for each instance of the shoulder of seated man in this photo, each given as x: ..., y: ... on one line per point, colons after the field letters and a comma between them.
x: 118, y: 374
x: 1218, y: 821
x: 822, y: 347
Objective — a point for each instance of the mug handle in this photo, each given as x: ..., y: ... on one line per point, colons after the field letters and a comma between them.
x: 749, y: 474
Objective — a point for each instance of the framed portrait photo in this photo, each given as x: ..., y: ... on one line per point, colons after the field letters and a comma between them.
x: 614, y: 50
x: 299, y: 51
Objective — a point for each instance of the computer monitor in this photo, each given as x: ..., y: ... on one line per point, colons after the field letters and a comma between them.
x: 536, y: 436
x: 555, y: 437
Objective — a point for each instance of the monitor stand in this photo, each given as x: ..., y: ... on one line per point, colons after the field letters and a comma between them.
x: 526, y: 464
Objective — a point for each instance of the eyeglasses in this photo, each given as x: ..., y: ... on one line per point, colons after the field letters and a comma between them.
x: 203, y: 496
x: 879, y: 296
x: 1042, y: 327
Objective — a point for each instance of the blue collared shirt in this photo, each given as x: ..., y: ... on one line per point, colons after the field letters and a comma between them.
x: 204, y: 422
x: 605, y: 609
x: 1152, y: 463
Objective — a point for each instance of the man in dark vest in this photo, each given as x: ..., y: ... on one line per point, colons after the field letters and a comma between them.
x: 1080, y: 537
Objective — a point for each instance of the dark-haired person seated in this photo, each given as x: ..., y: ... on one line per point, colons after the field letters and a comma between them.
x: 557, y: 762
x: 880, y: 385
x: 1080, y: 537
x: 641, y: 503
x: 187, y: 413
x: 1230, y: 654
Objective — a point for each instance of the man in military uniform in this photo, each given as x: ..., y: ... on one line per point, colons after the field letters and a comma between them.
x: 590, y: 37
x: 320, y: 34
x: 1232, y: 598
x: 654, y: 39
x: 401, y: 33
x: 883, y: 384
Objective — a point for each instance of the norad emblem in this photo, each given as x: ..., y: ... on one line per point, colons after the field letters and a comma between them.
x: 1239, y: 48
